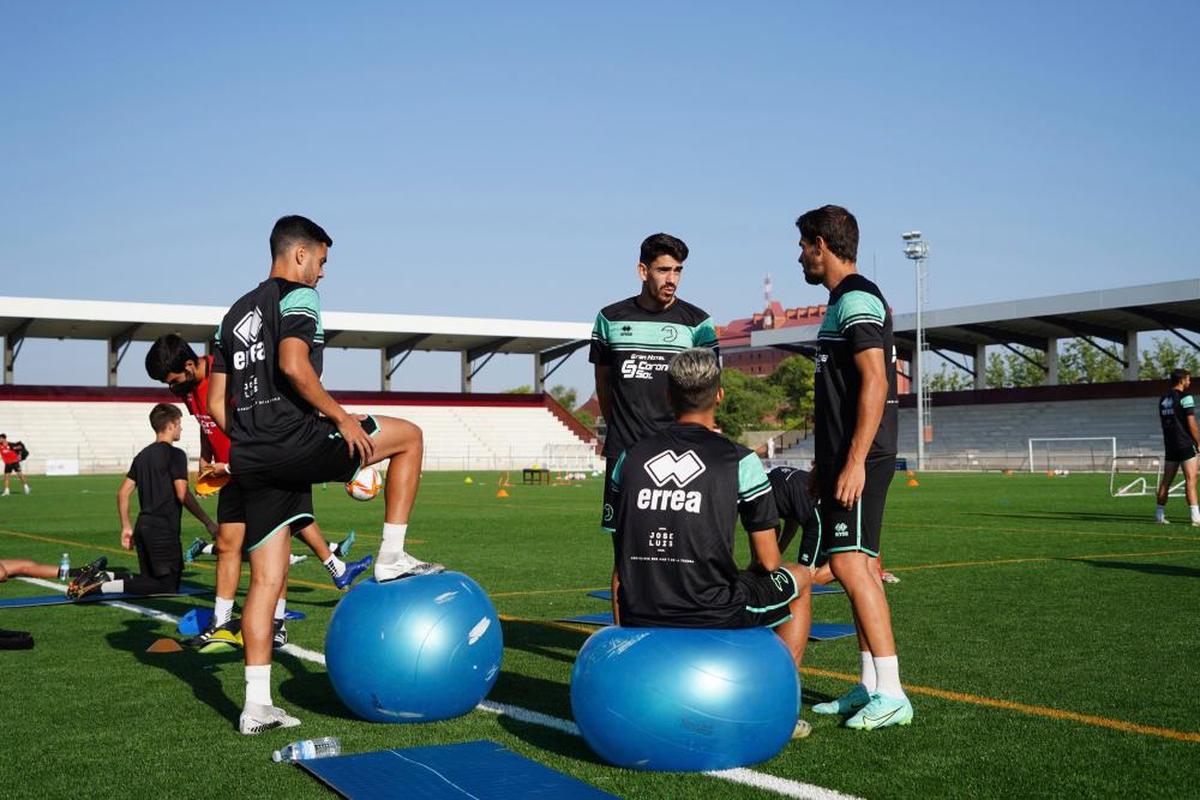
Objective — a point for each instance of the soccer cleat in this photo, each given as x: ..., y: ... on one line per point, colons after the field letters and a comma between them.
x: 194, y: 549
x: 89, y: 579
x: 27, y: 488
x: 352, y: 571
x: 881, y: 712
x: 342, y: 549
x: 802, y: 730
x: 280, y: 638
x: 257, y: 718
x: 221, y: 639
x: 294, y: 559
x: 402, y: 565
x: 1163, y: 521
x: 888, y: 577
x: 848, y: 703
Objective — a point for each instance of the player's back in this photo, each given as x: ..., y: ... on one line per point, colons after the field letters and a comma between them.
x: 155, y: 470
x: 1173, y: 410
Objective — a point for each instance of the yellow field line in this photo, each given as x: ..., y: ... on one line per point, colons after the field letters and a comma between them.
x: 978, y: 529
x: 1033, y: 559
x: 1026, y: 708
x: 547, y: 591
x: 562, y: 626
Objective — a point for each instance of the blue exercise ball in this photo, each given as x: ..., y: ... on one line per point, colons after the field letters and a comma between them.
x: 414, y: 650
x: 684, y: 700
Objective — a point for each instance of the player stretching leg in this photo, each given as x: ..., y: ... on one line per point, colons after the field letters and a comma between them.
x: 856, y: 452
x: 1177, y: 412
x: 287, y: 433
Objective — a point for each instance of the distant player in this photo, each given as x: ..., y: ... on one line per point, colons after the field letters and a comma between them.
x: 1177, y: 413
x: 855, y: 452
x: 632, y: 342
x: 12, y: 455
x: 159, y: 474
x: 265, y: 392
x: 172, y: 361
x: 673, y: 503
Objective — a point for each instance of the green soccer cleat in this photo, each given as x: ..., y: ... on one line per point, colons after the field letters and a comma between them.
x: 847, y: 704
x: 881, y: 712
x: 194, y: 549
x: 342, y: 550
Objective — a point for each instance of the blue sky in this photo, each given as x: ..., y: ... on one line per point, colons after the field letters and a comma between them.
x: 506, y: 159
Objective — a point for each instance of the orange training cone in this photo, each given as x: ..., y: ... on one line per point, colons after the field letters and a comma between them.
x: 501, y: 493
x: 913, y: 482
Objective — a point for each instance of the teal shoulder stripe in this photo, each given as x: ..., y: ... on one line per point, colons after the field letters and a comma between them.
x: 859, y: 306
x: 704, y: 334
x: 600, y: 329
x: 301, y: 300
x: 751, y: 475
x: 1187, y: 401
x: 616, y: 473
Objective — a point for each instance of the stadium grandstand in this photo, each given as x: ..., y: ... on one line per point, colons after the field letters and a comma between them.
x: 79, y: 429
x: 1055, y: 425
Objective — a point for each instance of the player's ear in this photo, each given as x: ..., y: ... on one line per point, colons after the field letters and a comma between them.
x: 720, y: 395
x: 643, y: 271
x: 300, y: 254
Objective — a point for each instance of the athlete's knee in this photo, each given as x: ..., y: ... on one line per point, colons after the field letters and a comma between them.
x: 3, y: 574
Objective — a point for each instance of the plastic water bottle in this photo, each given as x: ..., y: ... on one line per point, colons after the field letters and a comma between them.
x: 64, y: 567
x: 306, y: 749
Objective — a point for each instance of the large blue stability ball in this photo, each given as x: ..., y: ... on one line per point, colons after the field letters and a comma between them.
x: 414, y: 650
x: 675, y: 699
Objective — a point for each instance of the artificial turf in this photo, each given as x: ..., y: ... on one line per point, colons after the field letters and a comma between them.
x: 1047, y: 634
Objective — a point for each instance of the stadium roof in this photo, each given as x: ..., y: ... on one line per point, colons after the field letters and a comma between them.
x: 394, y: 335
x: 1108, y: 314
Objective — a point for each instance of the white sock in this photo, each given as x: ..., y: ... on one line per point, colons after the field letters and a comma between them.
x: 280, y: 608
x: 1160, y: 513
x: 887, y: 676
x: 868, y: 671
x: 112, y: 587
x: 258, y: 684
x: 208, y: 549
x: 334, y: 547
x: 1195, y: 513
x: 335, y: 565
x: 222, y: 611
x: 393, y: 537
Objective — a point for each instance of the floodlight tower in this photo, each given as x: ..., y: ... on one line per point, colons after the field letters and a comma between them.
x: 916, y: 249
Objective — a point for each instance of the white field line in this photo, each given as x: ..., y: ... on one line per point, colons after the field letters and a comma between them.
x: 746, y: 777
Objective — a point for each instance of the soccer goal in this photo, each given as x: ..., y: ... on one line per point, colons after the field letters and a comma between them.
x: 1139, y: 476
x: 1082, y: 453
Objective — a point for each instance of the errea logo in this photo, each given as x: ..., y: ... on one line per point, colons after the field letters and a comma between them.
x: 841, y: 530
x: 667, y: 467
x: 249, y: 327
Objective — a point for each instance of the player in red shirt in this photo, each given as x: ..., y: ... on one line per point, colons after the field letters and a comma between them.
x: 10, y: 455
x: 172, y: 361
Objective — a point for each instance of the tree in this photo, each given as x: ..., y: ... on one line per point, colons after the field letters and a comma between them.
x: 526, y: 389
x: 748, y: 402
x: 1009, y: 370
x: 794, y: 380
x: 1165, y: 356
x: 949, y: 380
x: 565, y: 395
x: 1083, y: 362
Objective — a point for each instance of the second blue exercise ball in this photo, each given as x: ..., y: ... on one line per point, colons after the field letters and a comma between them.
x: 414, y: 650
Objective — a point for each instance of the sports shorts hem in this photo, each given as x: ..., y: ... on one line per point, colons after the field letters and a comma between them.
x: 280, y: 527
x: 370, y: 435
x: 768, y: 606
x: 1180, y: 456
x: 851, y: 549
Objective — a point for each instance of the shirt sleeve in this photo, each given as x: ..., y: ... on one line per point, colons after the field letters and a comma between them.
x: 1188, y: 404
x: 179, y: 465
x: 599, y: 352
x: 612, y: 496
x: 218, y: 351
x: 860, y: 319
x: 132, y: 474
x: 756, y: 502
x: 300, y: 317
x: 705, y: 335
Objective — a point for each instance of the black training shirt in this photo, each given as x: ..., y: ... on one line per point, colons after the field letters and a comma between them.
x: 1174, y: 408
x: 155, y: 470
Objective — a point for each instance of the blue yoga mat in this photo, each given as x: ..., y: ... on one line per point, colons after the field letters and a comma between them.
x: 482, y: 769
x: 606, y: 594
x: 820, y: 631
x: 61, y: 599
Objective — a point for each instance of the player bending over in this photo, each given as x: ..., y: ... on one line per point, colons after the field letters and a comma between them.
x: 288, y: 433
x: 673, y: 504
x: 12, y: 454
x: 1177, y: 412
x: 159, y: 474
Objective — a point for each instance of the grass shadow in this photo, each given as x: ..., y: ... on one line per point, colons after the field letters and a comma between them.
x: 1174, y: 570
x: 543, y: 640
x: 309, y: 689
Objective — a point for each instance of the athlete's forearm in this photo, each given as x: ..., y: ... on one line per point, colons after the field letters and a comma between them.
x: 307, y: 383
x: 602, y: 392
x: 123, y: 503
x: 871, y: 401
x: 189, y: 502
x: 765, y: 550
x: 216, y: 399
x: 1192, y: 429
x: 616, y: 583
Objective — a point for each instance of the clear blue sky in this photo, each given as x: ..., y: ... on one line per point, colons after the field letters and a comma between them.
x: 506, y: 159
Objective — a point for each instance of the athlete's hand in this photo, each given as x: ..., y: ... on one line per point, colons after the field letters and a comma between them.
x: 850, y: 483
x: 127, y: 539
x: 217, y: 468
x: 356, y: 438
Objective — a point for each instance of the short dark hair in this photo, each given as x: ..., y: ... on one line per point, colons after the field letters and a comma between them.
x: 295, y: 229
x: 693, y: 378
x: 162, y: 415
x: 836, y: 226
x: 1178, y: 374
x: 662, y: 244
x: 168, y: 353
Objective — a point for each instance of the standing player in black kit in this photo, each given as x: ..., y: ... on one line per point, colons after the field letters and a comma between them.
x: 287, y: 433
x: 856, y: 452
x: 1181, y: 440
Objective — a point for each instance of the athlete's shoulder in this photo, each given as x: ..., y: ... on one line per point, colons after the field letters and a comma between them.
x: 689, y: 313
x: 621, y: 310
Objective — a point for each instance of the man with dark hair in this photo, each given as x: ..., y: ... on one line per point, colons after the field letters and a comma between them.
x: 159, y: 474
x: 672, y: 506
x: 855, y: 432
x: 12, y: 454
x: 287, y: 433
x: 1181, y: 439
x: 172, y: 361
x: 632, y: 341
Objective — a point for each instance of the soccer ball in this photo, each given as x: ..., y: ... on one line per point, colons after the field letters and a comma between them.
x: 366, y: 484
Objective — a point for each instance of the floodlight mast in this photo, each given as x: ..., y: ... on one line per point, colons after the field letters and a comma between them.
x: 916, y: 250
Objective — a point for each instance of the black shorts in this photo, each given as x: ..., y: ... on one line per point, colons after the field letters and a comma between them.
x: 845, y: 530
x: 159, y: 552
x: 811, y: 554
x: 231, y: 504
x: 282, y: 496
x: 1179, y: 455
x: 766, y: 595
x: 13, y: 467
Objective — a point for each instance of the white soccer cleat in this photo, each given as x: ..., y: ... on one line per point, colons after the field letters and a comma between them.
x: 294, y: 559
x: 27, y: 488
x: 257, y: 718
x: 392, y: 566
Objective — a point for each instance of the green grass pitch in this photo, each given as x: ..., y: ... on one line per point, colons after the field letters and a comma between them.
x: 1048, y: 635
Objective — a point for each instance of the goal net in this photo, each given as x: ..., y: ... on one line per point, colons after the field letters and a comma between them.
x: 1138, y: 476
x: 1081, y: 453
